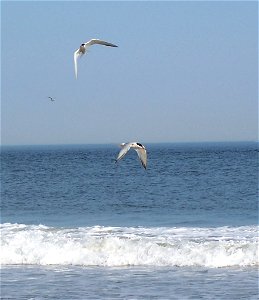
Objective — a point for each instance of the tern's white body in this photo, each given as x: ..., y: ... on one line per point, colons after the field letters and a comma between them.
x: 84, y: 47
x: 140, y: 149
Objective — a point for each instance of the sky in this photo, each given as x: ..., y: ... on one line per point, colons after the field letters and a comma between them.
x: 183, y: 72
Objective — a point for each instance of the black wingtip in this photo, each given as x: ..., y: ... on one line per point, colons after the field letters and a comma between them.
x: 144, y: 166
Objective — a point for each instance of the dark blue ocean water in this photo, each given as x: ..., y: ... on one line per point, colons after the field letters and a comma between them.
x: 185, y: 184
x: 185, y: 228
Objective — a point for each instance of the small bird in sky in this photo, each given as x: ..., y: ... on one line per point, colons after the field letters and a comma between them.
x: 51, y: 99
x: 141, y: 150
x: 84, y: 48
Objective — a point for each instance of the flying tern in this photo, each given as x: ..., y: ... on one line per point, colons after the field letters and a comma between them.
x: 51, y: 99
x: 84, y: 48
x: 141, y: 150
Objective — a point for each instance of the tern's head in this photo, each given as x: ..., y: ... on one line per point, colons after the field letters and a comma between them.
x: 140, y: 145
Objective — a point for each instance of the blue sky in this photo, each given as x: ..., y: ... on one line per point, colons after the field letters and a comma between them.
x: 183, y: 71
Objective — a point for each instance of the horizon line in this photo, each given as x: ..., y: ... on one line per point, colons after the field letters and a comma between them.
x: 116, y: 143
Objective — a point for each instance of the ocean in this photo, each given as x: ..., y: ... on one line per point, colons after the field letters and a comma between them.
x: 75, y: 225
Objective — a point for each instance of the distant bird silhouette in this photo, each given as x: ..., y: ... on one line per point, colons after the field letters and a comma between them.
x: 51, y: 99
x: 84, y: 48
x: 141, y: 150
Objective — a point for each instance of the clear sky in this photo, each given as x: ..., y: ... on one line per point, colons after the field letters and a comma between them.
x: 183, y: 71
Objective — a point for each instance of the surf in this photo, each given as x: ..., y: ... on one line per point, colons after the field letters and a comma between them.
x: 129, y: 246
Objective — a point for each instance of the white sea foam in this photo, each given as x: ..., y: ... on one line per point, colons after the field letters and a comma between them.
x: 123, y: 246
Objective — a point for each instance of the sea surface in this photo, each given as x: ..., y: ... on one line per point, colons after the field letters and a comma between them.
x: 75, y: 225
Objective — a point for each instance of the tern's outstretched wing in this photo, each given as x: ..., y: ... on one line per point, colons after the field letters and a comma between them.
x: 124, y: 150
x: 100, y: 42
x: 142, y: 154
x: 76, y: 55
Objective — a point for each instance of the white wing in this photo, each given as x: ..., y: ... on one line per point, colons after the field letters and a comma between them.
x: 142, y: 154
x: 76, y: 55
x: 100, y: 42
x: 124, y: 150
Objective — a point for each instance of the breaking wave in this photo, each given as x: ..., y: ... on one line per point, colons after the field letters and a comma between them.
x: 129, y: 246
